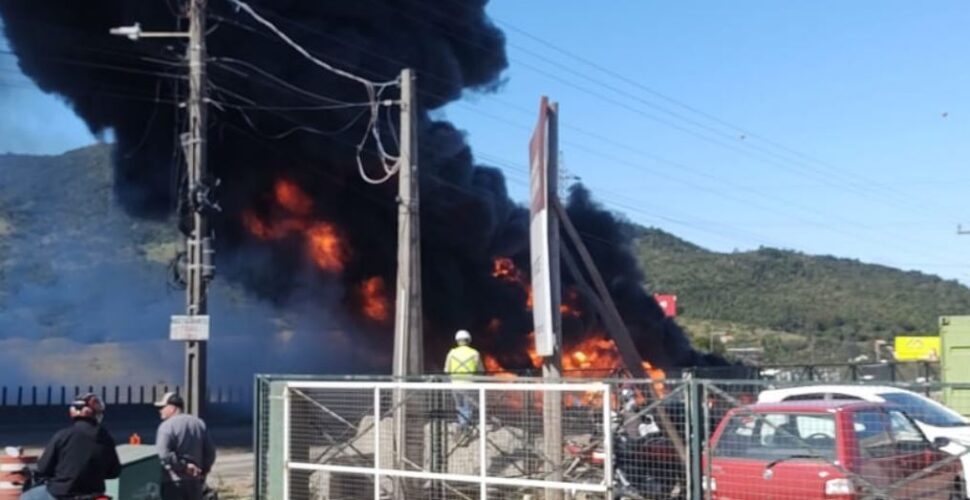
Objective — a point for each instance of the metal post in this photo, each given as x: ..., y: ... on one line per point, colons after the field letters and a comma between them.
x: 706, y: 409
x: 694, y: 426
x: 408, y: 341
x: 377, y: 443
x: 197, y: 245
x: 482, y: 448
x: 286, y: 443
x: 552, y: 365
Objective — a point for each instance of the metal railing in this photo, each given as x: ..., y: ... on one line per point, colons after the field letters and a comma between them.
x: 47, y: 395
x: 464, y: 440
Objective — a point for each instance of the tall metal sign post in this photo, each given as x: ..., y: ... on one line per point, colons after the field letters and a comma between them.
x: 546, y: 287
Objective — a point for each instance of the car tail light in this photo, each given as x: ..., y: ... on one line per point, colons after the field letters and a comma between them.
x: 709, y: 484
x: 839, y: 487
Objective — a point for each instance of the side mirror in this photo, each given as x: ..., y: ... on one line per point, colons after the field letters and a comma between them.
x: 941, y: 442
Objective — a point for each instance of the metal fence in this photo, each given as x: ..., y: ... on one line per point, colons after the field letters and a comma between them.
x: 635, y: 439
x: 458, y: 440
x: 60, y: 395
x: 894, y: 371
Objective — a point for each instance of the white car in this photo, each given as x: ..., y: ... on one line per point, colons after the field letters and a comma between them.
x: 934, y: 419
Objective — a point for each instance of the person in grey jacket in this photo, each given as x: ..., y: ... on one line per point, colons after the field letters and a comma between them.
x: 185, y: 449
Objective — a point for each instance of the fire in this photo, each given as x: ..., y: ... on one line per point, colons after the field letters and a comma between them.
x: 324, y: 244
x: 325, y: 247
x: 264, y: 231
x: 594, y: 353
x: 504, y: 269
x: 531, y: 351
x: 594, y: 356
x: 375, y: 304
x: 570, y: 304
x: 292, y: 198
x: 494, y: 325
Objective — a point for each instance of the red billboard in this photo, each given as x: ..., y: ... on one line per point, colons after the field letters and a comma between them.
x: 668, y: 303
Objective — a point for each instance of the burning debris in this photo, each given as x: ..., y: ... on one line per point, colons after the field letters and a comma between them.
x: 296, y: 213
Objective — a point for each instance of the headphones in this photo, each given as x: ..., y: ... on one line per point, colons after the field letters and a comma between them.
x: 87, y: 406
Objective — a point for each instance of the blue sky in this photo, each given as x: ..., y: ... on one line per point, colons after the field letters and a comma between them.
x: 814, y: 125
x: 828, y: 127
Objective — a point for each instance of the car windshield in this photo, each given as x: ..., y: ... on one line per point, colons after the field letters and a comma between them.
x: 924, y: 410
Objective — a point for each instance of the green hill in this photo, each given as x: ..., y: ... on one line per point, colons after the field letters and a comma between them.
x: 784, y: 301
x: 71, y: 261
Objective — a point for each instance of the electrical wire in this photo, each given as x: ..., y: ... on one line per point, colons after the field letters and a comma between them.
x: 389, y: 163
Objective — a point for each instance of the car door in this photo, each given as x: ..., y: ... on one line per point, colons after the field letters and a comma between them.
x: 921, y: 473
x: 875, y: 453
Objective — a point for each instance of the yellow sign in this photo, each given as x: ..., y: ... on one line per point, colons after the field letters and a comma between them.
x: 917, y: 348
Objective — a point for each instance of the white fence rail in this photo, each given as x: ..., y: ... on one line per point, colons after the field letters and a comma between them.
x: 462, y: 440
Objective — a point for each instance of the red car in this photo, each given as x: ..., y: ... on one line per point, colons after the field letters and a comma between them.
x: 826, y: 449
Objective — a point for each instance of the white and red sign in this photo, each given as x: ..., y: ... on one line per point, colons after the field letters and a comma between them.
x: 539, y: 235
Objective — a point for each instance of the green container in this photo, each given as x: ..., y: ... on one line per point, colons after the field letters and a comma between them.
x: 141, y: 474
x: 955, y: 361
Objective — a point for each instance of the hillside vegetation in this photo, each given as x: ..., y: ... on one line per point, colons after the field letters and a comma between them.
x: 71, y: 259
x: 785, y: 301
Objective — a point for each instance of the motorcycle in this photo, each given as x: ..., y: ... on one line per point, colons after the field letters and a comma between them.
x: 645, y: 463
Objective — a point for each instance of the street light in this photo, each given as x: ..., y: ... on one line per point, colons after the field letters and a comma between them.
x: 134, y: 32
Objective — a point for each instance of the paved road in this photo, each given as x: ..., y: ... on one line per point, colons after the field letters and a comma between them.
x: 232, y: 474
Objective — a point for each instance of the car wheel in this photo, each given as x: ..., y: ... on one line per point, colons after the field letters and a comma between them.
x: 959, y: 490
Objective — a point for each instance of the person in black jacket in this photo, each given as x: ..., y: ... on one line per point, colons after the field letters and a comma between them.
x: 78, y: 458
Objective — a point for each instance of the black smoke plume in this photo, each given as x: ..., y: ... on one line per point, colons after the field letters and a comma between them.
x: 257, y: 136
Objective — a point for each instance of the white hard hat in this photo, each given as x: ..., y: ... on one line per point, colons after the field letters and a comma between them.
x: 463, y: 336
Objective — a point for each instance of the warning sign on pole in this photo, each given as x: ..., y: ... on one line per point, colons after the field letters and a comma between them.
x: 189, y: 328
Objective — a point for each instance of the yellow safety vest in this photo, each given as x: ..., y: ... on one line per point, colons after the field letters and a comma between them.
x: 463, y: 360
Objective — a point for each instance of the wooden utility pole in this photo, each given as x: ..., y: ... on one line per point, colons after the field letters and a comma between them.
x: 198, y: 249
x: 408, y: 337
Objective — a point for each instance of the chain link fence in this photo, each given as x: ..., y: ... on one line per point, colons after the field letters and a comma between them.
x: 619, y: 438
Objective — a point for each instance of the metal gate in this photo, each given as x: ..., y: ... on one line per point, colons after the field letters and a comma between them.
x: 461, y: 440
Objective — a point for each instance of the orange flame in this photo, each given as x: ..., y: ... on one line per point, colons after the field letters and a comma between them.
x: 494, y: 325
x: 595, y: 355
x: 292, y: 198
x: 326, y: 247
x: 264, y: 231
x: 504, y: 269
x: 375, y: 304
x: 324, y: 243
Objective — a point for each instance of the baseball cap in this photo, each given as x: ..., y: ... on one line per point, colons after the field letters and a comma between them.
x: 170, y: 398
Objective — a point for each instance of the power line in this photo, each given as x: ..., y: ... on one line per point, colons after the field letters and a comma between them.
x: 390, y: 164
x: 865, y: 188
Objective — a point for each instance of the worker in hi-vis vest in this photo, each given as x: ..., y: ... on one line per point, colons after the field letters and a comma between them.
x: 462, y: 362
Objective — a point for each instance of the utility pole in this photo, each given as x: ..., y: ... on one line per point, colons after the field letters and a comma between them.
x: 198, y: 246
x: 198, y: 268
x: 408, y: 337
x: 408, y: 342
